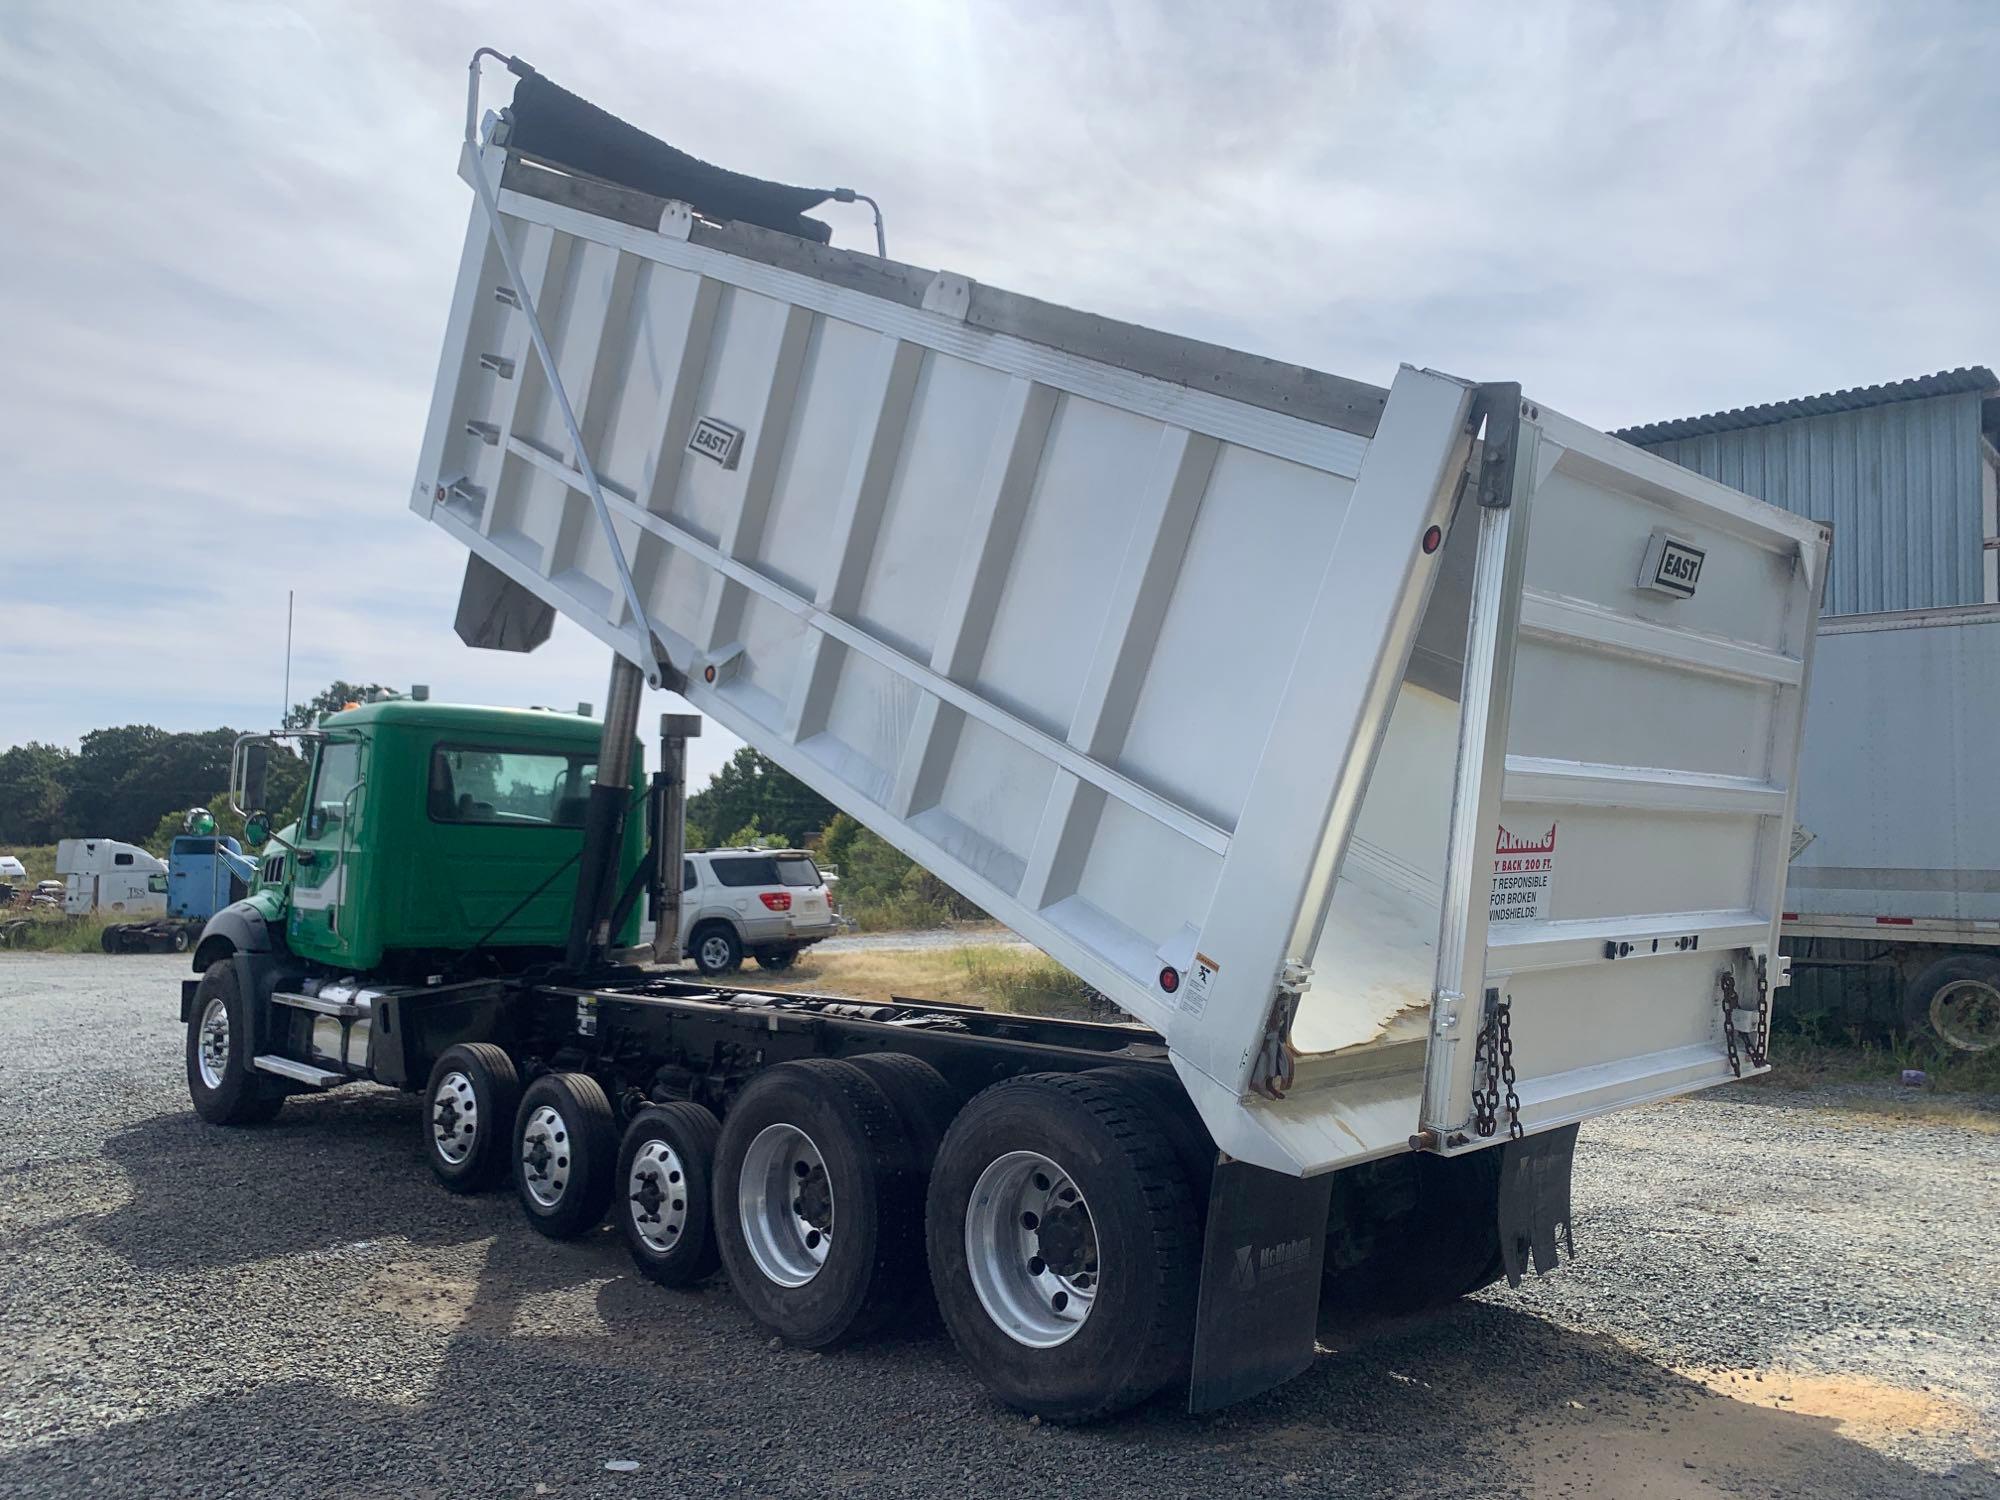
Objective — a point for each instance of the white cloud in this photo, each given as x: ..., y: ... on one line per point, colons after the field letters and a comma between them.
x: 231, y: 233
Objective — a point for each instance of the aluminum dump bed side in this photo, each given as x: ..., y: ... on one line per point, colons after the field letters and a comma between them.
x: 1110, y: 631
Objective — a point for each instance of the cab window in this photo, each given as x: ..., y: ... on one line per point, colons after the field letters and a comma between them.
x: 521, y: 788
x: 336, y: 775
x: 157, y: 884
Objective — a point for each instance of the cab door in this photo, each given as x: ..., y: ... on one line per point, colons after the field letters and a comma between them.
x: 330, y: 860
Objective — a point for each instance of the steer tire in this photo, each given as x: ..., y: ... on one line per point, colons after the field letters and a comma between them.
x: 566, y: 1194
x: 1138, y: 1334
x: 493, y: 1089
x: 872, y: 1264
x: 683, y: 1216
x: 239, y: 1094
x: 179, y: 941
x: 923, y: 1100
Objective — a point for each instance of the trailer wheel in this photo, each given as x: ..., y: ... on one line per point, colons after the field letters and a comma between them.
x: 1956, y: 1001
x: 819, y: 1205
x: 716, y: 949
x: 112, y: 939
x: 1063, y: 1245
x: 565, y: 1154
x: 666, y: 1169
x: 924, y: 1102
x: 471, y: 1101
x: 222, y: 1084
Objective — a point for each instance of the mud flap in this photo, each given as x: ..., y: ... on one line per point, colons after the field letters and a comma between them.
x: 1534, y: 1201
x: 1260, y: 1272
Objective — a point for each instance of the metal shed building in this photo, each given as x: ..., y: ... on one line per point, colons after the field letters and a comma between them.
x: 1906, y: 472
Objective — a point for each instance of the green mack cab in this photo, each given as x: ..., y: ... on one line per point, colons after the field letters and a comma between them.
x: 434, y: 835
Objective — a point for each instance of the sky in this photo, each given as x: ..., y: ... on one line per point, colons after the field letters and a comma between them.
x: 230, y: 232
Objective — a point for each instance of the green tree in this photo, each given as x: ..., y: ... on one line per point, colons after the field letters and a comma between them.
x: 34, y: 780
x: 752, y: 788
x: 331, y: 701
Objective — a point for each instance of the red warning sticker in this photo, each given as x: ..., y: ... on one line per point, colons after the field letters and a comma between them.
x: 1524, y: 867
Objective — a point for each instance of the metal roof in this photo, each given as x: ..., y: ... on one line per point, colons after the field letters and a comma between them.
x: 1945, y: 383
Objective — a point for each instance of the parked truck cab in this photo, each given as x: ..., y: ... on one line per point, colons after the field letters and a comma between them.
x: 430, y: 830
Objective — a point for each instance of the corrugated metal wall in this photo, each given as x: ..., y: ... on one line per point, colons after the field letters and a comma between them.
x: 1900, y: 483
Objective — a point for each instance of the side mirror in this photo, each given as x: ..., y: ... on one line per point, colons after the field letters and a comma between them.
x: 257, y: 829
x: 256, y: 765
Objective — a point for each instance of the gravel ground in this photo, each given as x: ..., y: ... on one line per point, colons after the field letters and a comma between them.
x: 1775, y: 1297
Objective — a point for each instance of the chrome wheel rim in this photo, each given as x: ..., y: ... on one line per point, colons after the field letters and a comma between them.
x: 715, y: 952
x: 1966, y: 1013
x: 545, y: 1155
x: 656, y: 1187
x: 784, y: 1202
x: 454, y: 1118
x: 1031, y: 1247
x: 212, y: 1043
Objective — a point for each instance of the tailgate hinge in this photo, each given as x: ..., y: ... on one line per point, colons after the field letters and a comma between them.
x: 1271, y: 1074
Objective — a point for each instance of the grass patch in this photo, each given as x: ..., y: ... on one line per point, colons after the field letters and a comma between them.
x: 994, y: 977
x: 1801, y: 1062
x: 900, y: 912
x: 59, y: 934
x: 39, y: 858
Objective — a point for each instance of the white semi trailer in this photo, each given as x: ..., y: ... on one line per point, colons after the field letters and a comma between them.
x: 1412, y: 764
x: 1900, y: 870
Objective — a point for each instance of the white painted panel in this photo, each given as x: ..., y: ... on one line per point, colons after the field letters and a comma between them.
x: 1078, y: 523
x: 819, y: 448
x: 925, y: 517
x: 1212, y: 661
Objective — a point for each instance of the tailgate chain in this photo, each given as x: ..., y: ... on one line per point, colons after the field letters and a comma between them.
x: 1756, y: 1045
x: 1495, y: 1053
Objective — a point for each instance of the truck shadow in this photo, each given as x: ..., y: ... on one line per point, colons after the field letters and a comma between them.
x: 1481, y: 1401
x: 543, y: 1361
x: 330, y: 1173
x: 518, y: 1361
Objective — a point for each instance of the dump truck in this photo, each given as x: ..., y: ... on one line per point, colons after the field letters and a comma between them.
x: 1895, y: 890
x: 1411, y: 765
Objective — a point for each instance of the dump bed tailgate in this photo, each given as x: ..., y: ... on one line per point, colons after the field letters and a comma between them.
x: 1624, y: 811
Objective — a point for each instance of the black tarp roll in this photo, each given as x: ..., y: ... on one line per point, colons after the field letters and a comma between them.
x: 550, y: 122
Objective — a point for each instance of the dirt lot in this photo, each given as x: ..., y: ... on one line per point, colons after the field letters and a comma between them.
x: 1775, y: 1295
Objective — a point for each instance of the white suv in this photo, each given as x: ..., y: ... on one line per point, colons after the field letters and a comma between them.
x: 762, y: 903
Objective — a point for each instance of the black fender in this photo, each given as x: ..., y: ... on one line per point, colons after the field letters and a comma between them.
x: 238, y: 928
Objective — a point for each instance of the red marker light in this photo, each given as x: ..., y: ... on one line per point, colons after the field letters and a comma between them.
x: 708, y: 674
x: 1170, y: 979
x: 1433, y: 539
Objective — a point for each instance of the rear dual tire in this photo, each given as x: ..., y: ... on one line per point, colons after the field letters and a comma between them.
x: 1064, y: 1245
x: 819, y: 1203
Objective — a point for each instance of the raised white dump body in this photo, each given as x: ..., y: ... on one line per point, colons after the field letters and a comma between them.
x: 1142, y: 645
